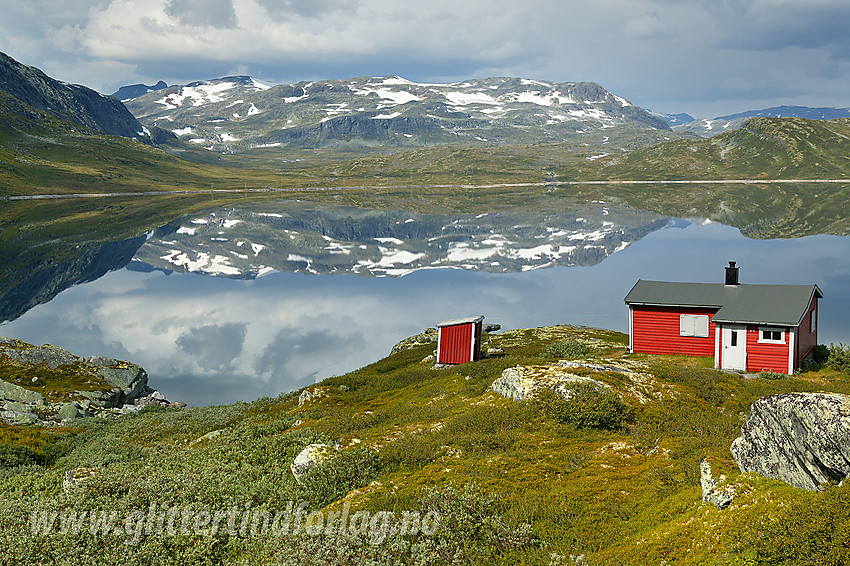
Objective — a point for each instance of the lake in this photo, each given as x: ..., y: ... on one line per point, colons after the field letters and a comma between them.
x: 235, y: 304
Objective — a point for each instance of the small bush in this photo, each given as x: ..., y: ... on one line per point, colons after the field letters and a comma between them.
x: 567, y: 349
x: 839, y: 357
x: 820, y: 354
x: 770, y: 374
x: 472, y: 530
x: 587, y: 406
x: 333, y: 479
x: 12, y: 456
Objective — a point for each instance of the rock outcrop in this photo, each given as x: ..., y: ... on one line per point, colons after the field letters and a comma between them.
x: 309, y: 458
x: 712, y: 491
x: 106, y: 385
x: 428, y: 336
x: 524, y: 382
x: 802, y: 439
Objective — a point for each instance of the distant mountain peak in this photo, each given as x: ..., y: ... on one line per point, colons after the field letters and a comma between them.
x: 239, y: 113
x: 130, y: 92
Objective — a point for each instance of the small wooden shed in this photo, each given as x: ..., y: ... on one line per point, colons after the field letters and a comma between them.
x: 459, y: 340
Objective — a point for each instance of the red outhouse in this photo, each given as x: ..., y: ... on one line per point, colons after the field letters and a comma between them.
x: 745, y: 327
x: 459, y: 340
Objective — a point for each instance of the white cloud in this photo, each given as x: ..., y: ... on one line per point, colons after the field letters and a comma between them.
x: 678, y: 55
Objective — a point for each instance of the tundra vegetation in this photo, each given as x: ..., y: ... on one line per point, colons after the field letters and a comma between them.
x: 610, y: 473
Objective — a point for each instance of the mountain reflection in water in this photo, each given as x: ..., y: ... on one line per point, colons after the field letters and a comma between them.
x: 248, y: 242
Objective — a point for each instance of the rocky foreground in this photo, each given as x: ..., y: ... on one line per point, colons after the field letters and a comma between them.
x: 49, y: 385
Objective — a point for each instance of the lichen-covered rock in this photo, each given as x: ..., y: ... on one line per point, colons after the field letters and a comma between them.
x: 19, y: 418
x: 712, y: 491
x: 12, y: 392
x: 70, y: 411
x: 131, y: 379
x: 428, y: 336
x: 105, y: 399
x: 75, y: 477
x: 212, y: 435
x: 309, y: 458
x: 52, y: 356
x: 524, y: 382
x: 309, y: 395
x: 802, y: 439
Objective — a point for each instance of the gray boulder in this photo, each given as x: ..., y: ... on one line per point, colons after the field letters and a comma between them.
x: 70, y: 411
x: 428, y: 336
x: 309, y: 458
x: 101, y: 361
x: 131, y: 379
x: 802, y: 439
x: 105, y: 399
x: 19, y: 418
x: 12, y: 392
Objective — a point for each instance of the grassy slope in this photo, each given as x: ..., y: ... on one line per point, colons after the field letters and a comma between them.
x: 627, y: 496
x: 764, y: 148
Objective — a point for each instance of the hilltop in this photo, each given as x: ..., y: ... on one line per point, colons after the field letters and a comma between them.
x: 763, y: 148
x: 708, y: 127
x: 611, y: 476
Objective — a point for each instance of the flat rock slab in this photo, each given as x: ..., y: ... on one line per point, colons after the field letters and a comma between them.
x: 802, y: 439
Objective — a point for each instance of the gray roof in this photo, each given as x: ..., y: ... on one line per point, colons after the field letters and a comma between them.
x: 454, y: 321
x: 783, y: 305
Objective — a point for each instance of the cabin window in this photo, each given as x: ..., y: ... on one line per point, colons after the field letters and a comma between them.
x: 733, y: 338
x: 813, y: 320
x: 693, y: 325
x: 772, y: 335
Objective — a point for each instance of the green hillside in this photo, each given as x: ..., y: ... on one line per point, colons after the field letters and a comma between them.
x: 611, y: 475
x: 764, y: 148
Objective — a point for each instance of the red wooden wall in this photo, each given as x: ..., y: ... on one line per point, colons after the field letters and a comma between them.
x: 806, y: 340
x: 456, y: 344
x: 655, y: 330
x: 766, y: 356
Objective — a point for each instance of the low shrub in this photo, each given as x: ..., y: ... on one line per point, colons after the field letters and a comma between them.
x: 472, y: 530
x: 839, y: 357
x: 587, y: 406
x: 334, y: 478
x: 567, y: 349
x: 12, y: 456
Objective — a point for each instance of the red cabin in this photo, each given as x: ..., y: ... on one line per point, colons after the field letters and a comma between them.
x: 459, y: 340
x: 745, y: 327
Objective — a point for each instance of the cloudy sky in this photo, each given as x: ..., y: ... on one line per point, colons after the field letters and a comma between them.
x: 704, y: 57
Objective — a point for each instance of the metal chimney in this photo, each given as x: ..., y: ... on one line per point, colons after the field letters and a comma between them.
x: 731, y: 274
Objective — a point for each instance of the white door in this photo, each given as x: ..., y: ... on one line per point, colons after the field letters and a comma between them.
x: 734, y: 346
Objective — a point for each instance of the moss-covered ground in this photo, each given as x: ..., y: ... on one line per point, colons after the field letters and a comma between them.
x: 624, y: 492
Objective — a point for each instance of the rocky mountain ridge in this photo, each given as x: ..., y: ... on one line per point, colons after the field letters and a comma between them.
x: 240, y: 113
x: 75, y: 103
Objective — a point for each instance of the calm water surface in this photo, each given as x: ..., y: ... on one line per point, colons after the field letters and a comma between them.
x: 210, y: 340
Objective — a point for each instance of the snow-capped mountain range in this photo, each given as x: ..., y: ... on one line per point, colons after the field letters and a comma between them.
x: 254, y: 240
x: 240, y: 113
